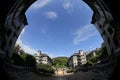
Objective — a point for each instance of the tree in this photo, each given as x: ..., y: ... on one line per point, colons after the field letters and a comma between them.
x: 29, y: 60
x: 17, y: 60
x: 16, y: 48
x: 22, y: 59
x: 45, y: 69
x: 60, y: 62
x: 104, y: 53
x: 101, y: 53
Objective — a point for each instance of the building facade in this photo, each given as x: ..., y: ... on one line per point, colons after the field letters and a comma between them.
x: 90, y: 54
x: 11, y: 25
x: 42, y: 58
x: 77, y: 59
x: 104, y: 22
x: 12, y: 12
x: 73, y: 60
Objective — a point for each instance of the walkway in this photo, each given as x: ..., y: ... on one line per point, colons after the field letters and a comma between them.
x: 77, y: 76
x: 24, y: 74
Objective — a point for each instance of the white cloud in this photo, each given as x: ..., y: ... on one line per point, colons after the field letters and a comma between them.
x: 40, y: 4
x: 68, y: 6
x: 51, y: 15
x: 26, y: 48
x: 84, y: 33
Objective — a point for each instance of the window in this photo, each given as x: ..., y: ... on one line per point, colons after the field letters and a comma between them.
x: 10, y: 43
x: 18, y: 28
x: 9, y: 32
x: 115, y: 41
x: 97, y: 16
x: 103, y: 33
x: 100, y: 26
x: 3, y: 44
x: 15, y: 34
x: 110, y: 30
x: 108, y: 40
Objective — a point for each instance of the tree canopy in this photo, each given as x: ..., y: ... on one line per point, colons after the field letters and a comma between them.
x: 29, y: 60
x: 22, y: 59
x: 60, y: 62
x: 45, y: 69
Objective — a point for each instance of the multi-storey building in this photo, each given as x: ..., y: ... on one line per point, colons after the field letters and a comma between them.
x: 42, y: 58
x: 103, y: 21
x: 90, y: 54
x: 82, y: 58
x: 12, y: 22
x: 73, y: 60
x: 77, y: 59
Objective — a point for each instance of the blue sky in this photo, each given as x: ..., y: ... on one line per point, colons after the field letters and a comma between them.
x: 59, y: 28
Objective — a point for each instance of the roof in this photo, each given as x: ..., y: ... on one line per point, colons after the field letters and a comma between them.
x: 75, y: 54
x: 43, y: 54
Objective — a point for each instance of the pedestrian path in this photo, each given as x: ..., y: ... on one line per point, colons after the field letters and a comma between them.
x: 76, y: 76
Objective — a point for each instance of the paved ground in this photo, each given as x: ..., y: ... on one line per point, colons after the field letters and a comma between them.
x: 77, y: 76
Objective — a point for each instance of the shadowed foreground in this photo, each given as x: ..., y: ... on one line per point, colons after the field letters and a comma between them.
x: 76, y: 76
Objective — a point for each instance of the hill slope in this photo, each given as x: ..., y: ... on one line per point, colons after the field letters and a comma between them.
x: 60, y: 62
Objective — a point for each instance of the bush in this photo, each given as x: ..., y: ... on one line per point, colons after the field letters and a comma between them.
x: 17, y: 60
x: 45, y: 69
x: 29, y: 60
x: 23, y: 60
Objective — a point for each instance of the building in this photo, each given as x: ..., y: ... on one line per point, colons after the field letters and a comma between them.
x: 42, y: 58
x: 82, y: 58
x: 90, y: 54
x: 73, y: 60
x: 103, y: 21
x: 77, y: 59
x: 13, y: 12
x: 13, y: 21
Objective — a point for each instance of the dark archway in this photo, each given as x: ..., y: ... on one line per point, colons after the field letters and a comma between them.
x: 13, y: 20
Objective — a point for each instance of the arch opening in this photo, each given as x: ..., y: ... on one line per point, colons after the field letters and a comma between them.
x: 16, y: 20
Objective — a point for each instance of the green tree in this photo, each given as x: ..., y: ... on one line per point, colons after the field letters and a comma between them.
x: 45, y: 69
x: 101, y: 53
x: 16, y: 48
x: 60, y: 62
x: 29, y: 60
x: 17, y: 60
x: 22, y: 59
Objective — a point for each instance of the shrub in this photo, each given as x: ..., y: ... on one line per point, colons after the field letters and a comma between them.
x: 45, y: 69
x: 17, y: 60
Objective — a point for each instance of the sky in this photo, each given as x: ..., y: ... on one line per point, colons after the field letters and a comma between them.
x: 59, y: 28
